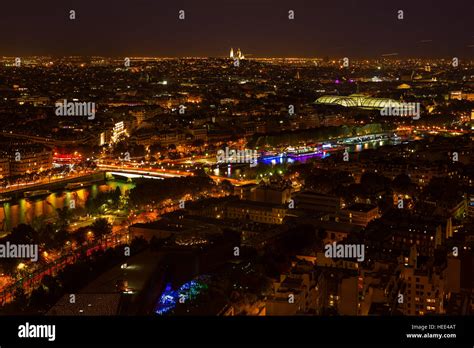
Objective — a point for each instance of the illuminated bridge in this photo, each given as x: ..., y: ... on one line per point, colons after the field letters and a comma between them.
x: 133, y: 172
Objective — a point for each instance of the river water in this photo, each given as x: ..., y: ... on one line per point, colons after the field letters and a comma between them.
x: 24, y: 210
x: 373, y: 144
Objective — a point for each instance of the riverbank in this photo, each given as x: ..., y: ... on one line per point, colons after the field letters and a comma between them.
x: 17, y: 191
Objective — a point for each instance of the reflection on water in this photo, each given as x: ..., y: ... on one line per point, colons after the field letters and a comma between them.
x: 291, y: 159
x: 373, y: 144
x: 235, y: 169
x: 280, y: 159
x: 25, y: 210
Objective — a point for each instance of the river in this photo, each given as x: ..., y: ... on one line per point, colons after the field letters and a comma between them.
x: 358, y: 147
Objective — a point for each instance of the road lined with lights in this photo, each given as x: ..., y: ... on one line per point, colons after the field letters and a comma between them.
x: 46, y: 181
x: 167, y: 173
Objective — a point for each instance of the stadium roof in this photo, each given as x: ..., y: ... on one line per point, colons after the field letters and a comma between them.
x: 357, y: 100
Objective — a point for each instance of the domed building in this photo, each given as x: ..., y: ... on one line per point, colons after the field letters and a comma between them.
x: 404, y: 86
x: 336, y: 100
x: 358, y: 100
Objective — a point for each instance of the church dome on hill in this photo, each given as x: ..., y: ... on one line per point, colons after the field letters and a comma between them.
x: 404, y: 86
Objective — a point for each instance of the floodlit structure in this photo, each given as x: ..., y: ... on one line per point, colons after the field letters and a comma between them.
x: 358, y: 100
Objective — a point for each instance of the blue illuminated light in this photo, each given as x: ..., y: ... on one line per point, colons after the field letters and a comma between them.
x: 188, y: 291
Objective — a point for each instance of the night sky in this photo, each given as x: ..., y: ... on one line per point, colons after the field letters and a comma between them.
x: 334, y: 28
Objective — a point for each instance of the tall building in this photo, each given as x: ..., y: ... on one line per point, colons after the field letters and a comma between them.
x: 31, y: 160
x: 266, y: 213
x: 4, y: 166
x: 239, y: 54
x: 359, y: 214
x: 319, y: 202
x: 276, y: 194
x: 423, y: 292
x: 231, y: 53
x: 297, y: 291
x: 118, y: 130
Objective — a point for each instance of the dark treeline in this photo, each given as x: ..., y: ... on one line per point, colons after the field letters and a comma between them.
x: 147, y: 191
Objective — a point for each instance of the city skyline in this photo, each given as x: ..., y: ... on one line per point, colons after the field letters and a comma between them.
x: 317, y: 29
x: 388, y: 57
x: 167, y: 162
